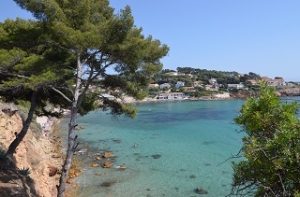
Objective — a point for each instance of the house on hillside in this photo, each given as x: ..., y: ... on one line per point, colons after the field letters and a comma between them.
x: 290, y: 84
x: 213, y: 81
x: 211, y: 87
x: 172, y: 73
x: 235, y: 86
x: 164, y: 86
x: 190, y: 75
x: 153, y: 85
x: 107, y: 96
x: 252, y: 82
x: 264, y: 78
x: 198, y: 84
x: 179, y: 84
x: 171, y: 96
x: 276, y: 82
x: 189, y: 89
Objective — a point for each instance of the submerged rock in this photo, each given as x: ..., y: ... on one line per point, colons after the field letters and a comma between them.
x: 156, y: 156
x: 97, y: 158
x: 77, y: 128
x: 107, y: 164
x: 122, y: 167
x: 107, y: 183
x: 108, y: 155
x: 199, y: 190
x: 94, y: 165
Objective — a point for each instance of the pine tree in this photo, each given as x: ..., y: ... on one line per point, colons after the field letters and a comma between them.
x: 30, y: 68
x: 99, y: 40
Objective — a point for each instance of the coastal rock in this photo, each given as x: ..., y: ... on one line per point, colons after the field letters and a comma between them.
x: 52, y: 170
x: 79, y: 128
x: 94, y: 165
x: 56, y: 156
x: 156, y: 156
x: 74, y: 172
x: 97, y: 158
x: 199, y: 190
x: 69, y: 181
x: 10, y: 112
x: 108, y: 155
x: 107, y: 164
x: 122, y: 167
x: 77, y: 172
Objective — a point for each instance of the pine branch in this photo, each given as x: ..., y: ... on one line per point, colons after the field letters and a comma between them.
x: 13, y: 75
x: 62, y: 94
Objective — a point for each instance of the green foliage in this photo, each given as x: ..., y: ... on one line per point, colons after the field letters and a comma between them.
x: 2, y: 155
x: 29, y: 60
x: 117, y: 108
x: 89, y: 103
x: 23, y: 109
x: 36, y: 129
x: 153, y: 91
x: 271, y: 147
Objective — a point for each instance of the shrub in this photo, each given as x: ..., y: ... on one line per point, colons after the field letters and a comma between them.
x: 24, y: 171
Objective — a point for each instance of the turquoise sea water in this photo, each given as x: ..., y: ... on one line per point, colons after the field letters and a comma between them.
x: 193, y: 139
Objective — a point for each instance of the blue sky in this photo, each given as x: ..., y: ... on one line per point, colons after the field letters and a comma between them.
x: 225, y: 35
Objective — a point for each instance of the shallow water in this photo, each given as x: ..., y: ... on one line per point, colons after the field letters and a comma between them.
x: 181, y: 146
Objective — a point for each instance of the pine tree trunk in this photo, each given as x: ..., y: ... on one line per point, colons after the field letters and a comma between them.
x: 70, y: 151
x: 61, y: 189
x: 19, y: 137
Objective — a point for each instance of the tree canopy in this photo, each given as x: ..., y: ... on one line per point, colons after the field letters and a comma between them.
x: 271, y: 150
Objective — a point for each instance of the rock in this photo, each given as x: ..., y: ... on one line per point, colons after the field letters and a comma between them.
x: 77, y: 172
x: 156, y: 156
x: 79, y: 128
x: 108, y: 155
x: 107, y: 164
x: 71, y: 176
x: 52, y: 170
x: 94, y: 165
x: 122, y: 167
x: 69, y: 181
x: 199, y: 190
x: 10, y: 112
x: 97, y: 158
x: 55, y: 156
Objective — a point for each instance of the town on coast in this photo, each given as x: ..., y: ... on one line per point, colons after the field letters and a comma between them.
x: 200, y: 84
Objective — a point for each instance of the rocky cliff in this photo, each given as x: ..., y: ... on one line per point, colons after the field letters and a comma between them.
x: 39, y: 155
